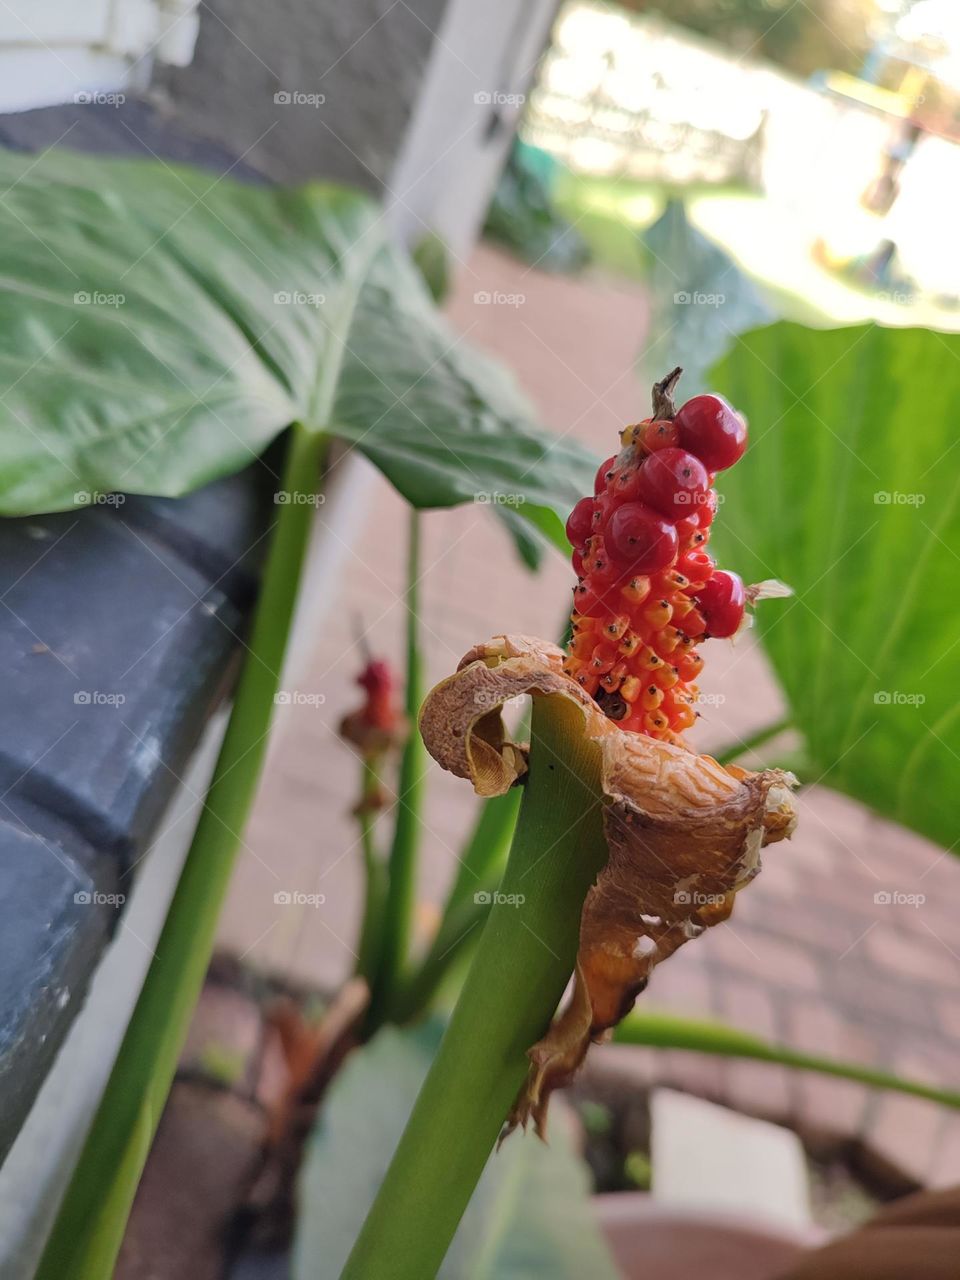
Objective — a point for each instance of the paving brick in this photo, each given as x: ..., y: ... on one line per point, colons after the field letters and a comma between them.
x: 909, y: 956
x: 945, y: 1169
x: 904, y: 1133
x: 681, y: 985
x: 828, y: 1109
x: 760, y: 1088
x: 782, y: 963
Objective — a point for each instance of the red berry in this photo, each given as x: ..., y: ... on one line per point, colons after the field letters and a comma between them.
x: 577, y: 561
x: 580, y: 523
x: 659, y: 433
x: 713, y: 430
x: 707, y: 509
x: 641, y: 538
x: 722, y: 603
x: 603, y: 475
x: 673, y: 482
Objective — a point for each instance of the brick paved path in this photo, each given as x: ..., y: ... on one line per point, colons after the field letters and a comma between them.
x: 810, y: 958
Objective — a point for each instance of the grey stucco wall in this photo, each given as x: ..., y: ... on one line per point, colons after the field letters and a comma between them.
x: 366, y: 57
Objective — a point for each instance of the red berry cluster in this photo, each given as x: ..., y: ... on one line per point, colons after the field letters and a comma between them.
x: 647, y: 591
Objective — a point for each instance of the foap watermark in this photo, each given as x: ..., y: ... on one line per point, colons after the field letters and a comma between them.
x: 98, y: 298
x: 694, y: 898
x: 484, y: 898
x: 497, y: 298
x: 98, y: 98
x: 298, y: 698
x: 895, y: 898
x: 898, y: 698
x: 298, y: 298
x: 497, y: 98
x: 94, y: 898
x: 98, y: 698
x: 684, y: 498
x: 711, y: 699
x: 297, y: 98
x: 698, y: 299
x: 490, y: 698
x: 888, y: 498
x: 900, y: 297
x: 496, y: 499
x: 94, y: 498
x: 297, y: 898
x: 298, y: 498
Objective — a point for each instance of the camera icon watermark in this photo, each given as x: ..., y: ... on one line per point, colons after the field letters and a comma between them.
x: 298, y: 298
x: 497, y: 98
x: 95, y: 98
x: 94, y: 898
x: 486, y: 898
x: 297, y: 498
x: 897, y: 698
x: 497, y: 499
x: 98, y: 298
x: 94, y: 498
x: 685, y: 298
x: 888, y: 498
x: 97, y: 698
x: 693, y: 898
x: 296, y: 898
x: 298, y: 698
x: 498, y: 298
x: 894, y: 898
x: 296, y: 98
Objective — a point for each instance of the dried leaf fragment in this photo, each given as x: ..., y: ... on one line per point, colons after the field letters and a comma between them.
x: 684, y: 835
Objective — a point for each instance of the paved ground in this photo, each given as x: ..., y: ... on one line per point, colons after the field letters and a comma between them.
x: 813, y: 957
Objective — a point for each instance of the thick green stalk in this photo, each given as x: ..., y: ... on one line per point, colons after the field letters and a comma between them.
x: 479, y: 872
x: 402, y: 866
x: 666, y: 1031
x: 523, y: 961
x: 89, y: 1228
x: 375, y: 879
x: 734, y: 750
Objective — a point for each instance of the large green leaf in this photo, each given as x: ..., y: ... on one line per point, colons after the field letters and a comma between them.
x: 700, y: 300
x: 159, y: 326
x: 849, y: 491
x: 529, y: 1216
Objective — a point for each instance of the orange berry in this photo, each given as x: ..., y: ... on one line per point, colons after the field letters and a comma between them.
x: 637, y: 589
x: 630, y: 689
x: 658, y: 614
x: 651, y: 697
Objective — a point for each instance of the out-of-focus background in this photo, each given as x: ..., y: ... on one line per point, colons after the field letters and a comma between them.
x: 617, y: 188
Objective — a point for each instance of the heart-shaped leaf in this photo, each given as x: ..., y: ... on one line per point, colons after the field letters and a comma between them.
x: 529, y: 1215
x: 159, y: 326
x: 850, y: 491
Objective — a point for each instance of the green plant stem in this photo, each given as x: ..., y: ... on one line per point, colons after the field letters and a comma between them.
x: 736, y: 749
x: 89, y: 1227
x: 523, y: 961
x: 375, y: 878
x: 404, y: 850
x: 665, y: 1031
x: 480, y: 865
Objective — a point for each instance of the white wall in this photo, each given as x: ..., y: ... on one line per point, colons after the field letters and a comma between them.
x: 76, y: 50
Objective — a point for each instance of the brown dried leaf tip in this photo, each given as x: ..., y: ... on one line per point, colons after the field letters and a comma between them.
x: 684, y: 835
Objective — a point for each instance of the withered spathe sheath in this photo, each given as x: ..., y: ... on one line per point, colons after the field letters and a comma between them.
x: 684, y: 835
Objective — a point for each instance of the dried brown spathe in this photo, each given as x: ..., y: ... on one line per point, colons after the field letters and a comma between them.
x: 684, y: 835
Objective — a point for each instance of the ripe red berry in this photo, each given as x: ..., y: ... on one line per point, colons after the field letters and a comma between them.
x: 713, y: 430
x: 722, y: 602
x: 603, y: 475
x: 641, y: 538
x: 580, y: 523
x: 659, y: 433
x: 673, y: 482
